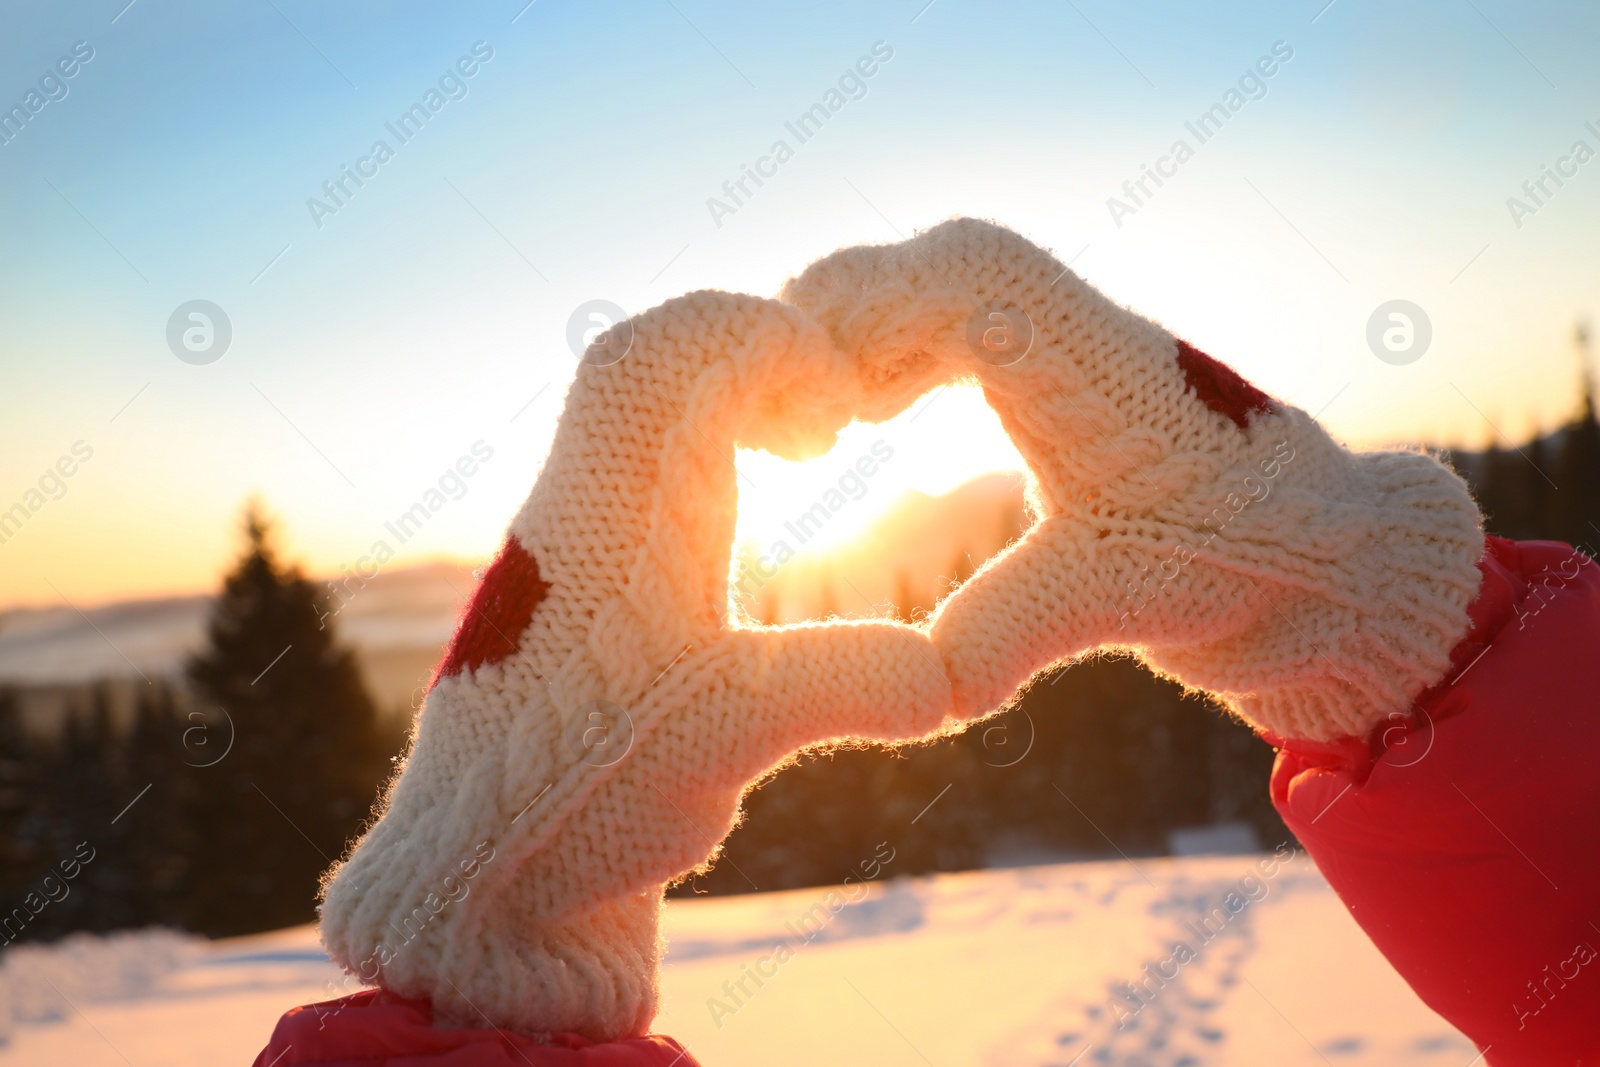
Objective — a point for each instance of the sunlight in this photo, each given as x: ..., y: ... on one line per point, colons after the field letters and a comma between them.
x: 943, y: 440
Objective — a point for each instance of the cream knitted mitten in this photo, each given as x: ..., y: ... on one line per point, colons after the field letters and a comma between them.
x: 598, y: 716
x: 1220, y: 534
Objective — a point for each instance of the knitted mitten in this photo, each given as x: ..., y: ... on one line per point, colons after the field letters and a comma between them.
x: 1220, y: 534
x: 598, y: 716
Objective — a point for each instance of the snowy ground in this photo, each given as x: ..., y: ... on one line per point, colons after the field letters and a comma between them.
x: 1001, y: 968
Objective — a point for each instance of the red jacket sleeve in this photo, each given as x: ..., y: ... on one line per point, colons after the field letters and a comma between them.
x: 1463, y: 836
x: 375, y: 1028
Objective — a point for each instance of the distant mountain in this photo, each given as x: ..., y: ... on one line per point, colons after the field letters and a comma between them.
x: 908, y: 559
x: 397, y: 623
x: 59, y: 646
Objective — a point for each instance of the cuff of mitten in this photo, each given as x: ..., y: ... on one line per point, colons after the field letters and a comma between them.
x: 375, y: 1027
x: 1388, y: 566
x: 489, y: 964
x: 1501, y: 588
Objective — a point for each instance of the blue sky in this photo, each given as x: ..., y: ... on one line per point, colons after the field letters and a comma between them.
x: 429, y: 313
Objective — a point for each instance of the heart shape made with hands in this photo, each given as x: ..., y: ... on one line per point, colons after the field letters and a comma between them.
x: 599, y: 714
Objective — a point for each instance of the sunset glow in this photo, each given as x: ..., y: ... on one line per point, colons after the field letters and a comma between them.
x: 944, y: 439
x: 374, y: 345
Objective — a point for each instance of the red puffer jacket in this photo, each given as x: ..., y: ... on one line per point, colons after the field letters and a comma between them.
x: 1464, y: 838
x: 373, y: 1028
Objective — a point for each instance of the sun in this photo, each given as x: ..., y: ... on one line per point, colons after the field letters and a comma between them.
x: 820, y: 505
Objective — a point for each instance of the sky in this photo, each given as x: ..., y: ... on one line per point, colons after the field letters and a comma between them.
x: 377, y: 339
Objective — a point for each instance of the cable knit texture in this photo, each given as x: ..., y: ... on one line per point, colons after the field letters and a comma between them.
x: 595, y: 722
x: 1221, y: 535
x: 565, y: 771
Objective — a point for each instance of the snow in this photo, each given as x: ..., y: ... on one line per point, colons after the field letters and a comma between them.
x: 999, y: 968
x: 41, y: 983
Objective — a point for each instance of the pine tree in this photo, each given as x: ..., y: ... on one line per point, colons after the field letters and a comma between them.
x: 1576, y: 502
x: 305, y: 759
x: 1538, y: 493
x: 22, y: 784
x: 1493, y: 488
x: 77, y: 806
x: 162, y: 842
